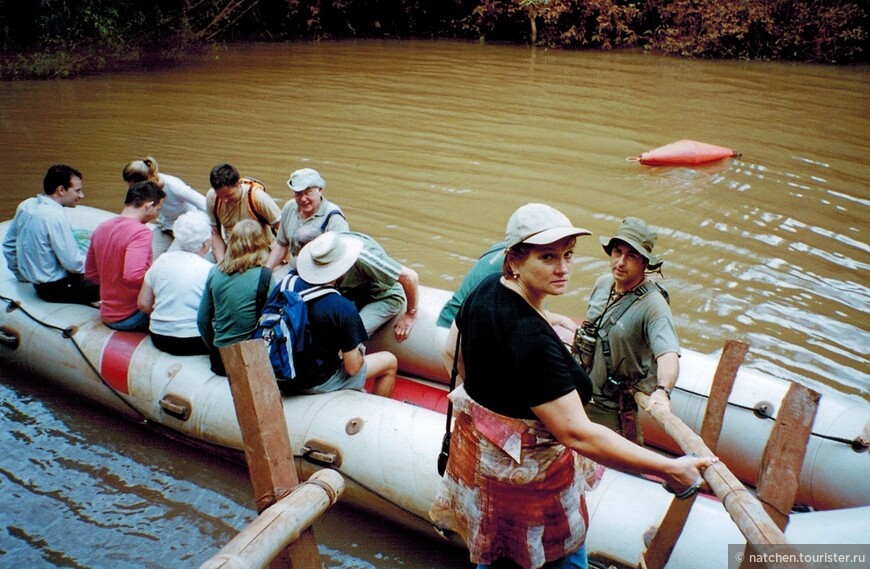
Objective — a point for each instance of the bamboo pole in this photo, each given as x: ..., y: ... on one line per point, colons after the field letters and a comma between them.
x: 279, y: 525
x: 268, y: 452
x: 665, y: 538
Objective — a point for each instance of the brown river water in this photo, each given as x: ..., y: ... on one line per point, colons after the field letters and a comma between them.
x: 429, y: 147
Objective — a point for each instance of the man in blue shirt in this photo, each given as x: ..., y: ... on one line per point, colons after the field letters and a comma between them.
x: 40, y: 247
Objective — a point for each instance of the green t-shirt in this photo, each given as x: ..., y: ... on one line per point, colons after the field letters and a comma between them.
x: 644, y: 332
x: 488, y: 263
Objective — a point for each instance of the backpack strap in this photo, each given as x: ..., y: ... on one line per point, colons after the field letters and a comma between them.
x: 311, y: 293
x: 253, y: 186
x: 329, y: 216
x: 263, y: 287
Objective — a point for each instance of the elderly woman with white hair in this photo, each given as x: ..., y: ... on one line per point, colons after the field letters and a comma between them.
x: 173, y: 288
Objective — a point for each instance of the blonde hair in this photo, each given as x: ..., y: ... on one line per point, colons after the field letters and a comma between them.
x: 143, y: 171
x: 247, y: 246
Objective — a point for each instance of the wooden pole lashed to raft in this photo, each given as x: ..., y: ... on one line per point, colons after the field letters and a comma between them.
x: 269, y: 454
x: 780, y: 470
x: 745, y: 510
x: 659, y: 550
x: 280, y: 524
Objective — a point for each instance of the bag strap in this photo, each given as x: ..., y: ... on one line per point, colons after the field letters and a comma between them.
x: 263, y: 287
x: 454, y: 372
x: 638, y: 292
x: 255, y: 184
x: 329, y: 216
x: 289, y: 283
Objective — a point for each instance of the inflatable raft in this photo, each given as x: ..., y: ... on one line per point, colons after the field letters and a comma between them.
x: 836, y: 469
x: 385, y: 448
x: 685, y: 152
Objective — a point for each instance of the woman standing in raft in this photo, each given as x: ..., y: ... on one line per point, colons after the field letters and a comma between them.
x: 235, y: 291
x: 514, y: 486
x: 179, y: 198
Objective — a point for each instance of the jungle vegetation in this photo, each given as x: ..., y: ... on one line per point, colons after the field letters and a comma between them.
x: 62, y: 38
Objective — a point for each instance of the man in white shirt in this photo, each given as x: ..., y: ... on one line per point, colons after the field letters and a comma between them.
x: 40, y: 247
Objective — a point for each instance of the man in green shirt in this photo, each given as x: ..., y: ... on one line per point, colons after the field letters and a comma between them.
x: 628, y: 341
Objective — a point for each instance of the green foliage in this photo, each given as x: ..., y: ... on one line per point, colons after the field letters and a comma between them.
x: 59, y: 38
x: 561, y: 23
x: 62, y: 38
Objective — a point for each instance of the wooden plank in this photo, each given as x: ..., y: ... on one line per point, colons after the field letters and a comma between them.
x: 744, y: 509
x: 268, y: 452
x: 732, y: 357
x: 665, y: 538
x: 783, y: 457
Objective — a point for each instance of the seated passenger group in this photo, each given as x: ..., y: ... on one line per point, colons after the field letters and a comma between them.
x: 194, y: 307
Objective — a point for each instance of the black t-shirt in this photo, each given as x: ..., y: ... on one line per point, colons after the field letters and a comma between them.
x: 513, y: 358
x: 335, y: 325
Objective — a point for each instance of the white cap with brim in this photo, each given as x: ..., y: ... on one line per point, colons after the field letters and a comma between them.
x: 539, y: 224
x: 301, y: 180
x: 327, y: 257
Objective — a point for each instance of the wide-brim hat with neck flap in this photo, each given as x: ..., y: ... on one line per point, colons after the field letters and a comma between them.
x: 327, y: 257
x: 636, y: 233
x: 539, y: 224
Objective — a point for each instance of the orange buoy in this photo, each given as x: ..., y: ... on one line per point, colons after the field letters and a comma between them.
x: 685, y: 152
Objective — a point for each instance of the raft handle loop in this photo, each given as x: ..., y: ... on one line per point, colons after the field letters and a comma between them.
x: 9, y: 338
x: 633, y: 159
x: 13, y: 305
x: 321, y: 453
x: 176, y: 406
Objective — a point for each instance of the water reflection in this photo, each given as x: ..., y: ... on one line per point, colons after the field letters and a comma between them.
x: 81, y: 488
x: 429, y: 146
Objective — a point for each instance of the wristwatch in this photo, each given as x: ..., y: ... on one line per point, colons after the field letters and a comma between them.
x: 665, y: 389
x: 412, y: 311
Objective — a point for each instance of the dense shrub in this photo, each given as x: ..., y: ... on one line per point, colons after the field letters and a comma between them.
x: 559, y: 23
x: 56, y: 38
x: 812, y: 30
x: 61, y: 38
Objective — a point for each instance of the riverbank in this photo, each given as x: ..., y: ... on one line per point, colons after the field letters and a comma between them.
x: 59, y: 39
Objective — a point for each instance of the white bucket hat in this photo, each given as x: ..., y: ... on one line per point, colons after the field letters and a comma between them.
x: 327, y: 257
x: 539, y: 224
x: 301, y: 180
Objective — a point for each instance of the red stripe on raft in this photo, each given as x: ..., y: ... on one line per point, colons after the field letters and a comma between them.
x: 419, y: 394
x: 116, y: 358
x: 435, y: 398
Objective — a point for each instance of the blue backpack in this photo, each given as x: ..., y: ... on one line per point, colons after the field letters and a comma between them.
x: 283, y: 325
